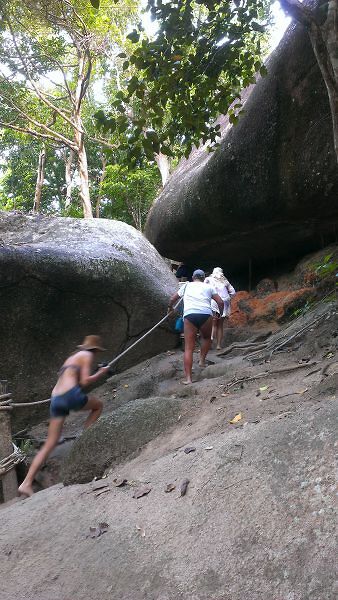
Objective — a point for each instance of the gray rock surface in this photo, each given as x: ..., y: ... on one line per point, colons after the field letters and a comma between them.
x: 257, y: 523
x: 118, y: 436
x: 62, y: 279
x: 269, y: 194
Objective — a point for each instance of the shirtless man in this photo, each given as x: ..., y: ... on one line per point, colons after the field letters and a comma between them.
x: 68, y: 395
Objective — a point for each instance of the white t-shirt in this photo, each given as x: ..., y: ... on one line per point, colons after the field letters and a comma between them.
x: 197, y: 298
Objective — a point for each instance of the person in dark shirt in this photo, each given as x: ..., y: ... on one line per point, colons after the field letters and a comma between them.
x: 183, y: 272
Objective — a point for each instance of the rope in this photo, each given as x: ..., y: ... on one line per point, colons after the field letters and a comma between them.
x: 112, y: 362
x: 9, y: 462
x: 7, y: 404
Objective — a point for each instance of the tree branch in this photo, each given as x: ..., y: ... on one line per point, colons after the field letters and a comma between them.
x: 32, y: 132
x: 55, y: 135
x: 38, y: 92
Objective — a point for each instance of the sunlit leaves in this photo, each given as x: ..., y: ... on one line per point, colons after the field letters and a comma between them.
x: 194, y: 69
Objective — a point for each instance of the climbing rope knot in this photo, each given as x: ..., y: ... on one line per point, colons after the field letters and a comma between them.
x: 10, y: 462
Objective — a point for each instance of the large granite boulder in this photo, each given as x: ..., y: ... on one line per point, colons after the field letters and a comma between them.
x: 61, y: 279
x: 118, y: 436
x: 269, y: 194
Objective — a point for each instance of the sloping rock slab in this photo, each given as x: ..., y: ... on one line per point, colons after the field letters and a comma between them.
x: 62, y: 279
x: 118, y: 436
x: 270, y: 191
x: 257, y: 523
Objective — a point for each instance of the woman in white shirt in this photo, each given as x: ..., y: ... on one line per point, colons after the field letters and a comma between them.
x: 224, y: 289
x: 197, y: 298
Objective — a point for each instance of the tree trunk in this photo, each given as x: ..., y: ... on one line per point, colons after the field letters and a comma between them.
x: 81, y: 88
x: 83, y: 173
x: 40, y: 179
x: 163, y: 164
x: 99, y: 196
x: 68, y: 176
x: 324, y: 40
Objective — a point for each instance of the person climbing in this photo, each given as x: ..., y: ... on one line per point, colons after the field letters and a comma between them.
x: 68, y: 395
x: 225, y: 290
x: 197, y: 317
x: 183, y: 272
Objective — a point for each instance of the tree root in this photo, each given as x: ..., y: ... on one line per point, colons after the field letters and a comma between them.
x: 239, y: 380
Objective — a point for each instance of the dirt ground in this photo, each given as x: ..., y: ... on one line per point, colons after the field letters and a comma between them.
x: 257, y: 521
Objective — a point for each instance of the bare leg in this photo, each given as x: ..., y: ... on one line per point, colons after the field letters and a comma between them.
x: 54, y: 431
x: 190, y: 332
x: 220, y: 332
x: 205, y: 341
x: 95, y: 406
x: 214, y: 327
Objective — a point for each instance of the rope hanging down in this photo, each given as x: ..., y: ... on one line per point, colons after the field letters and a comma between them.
x: 5, y: 399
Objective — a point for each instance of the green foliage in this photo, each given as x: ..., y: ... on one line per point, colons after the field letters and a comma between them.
x: 26, y: 446
x: 326, y: 267
x: 301, y: 311
x: 204, y: 54
x: 128, y: 194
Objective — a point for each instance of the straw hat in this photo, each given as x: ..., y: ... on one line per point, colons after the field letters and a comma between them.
x: 92, y: 342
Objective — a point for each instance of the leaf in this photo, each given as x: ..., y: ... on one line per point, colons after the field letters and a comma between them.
x: 263, y: 388
x: 99, y: 486
x: 189, y: 449
x: 95, y: 532
x: 95, y: 3
x: 134, y: 36
x: 263, y: 71
x: 184, y: 486
x: 143, y: 491
x: 141, y: 530
x: 120, y: 481
x: 169, y: 487
x: 236, y: 419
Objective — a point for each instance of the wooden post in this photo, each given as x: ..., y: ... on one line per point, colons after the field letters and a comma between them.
x: 8, y: 482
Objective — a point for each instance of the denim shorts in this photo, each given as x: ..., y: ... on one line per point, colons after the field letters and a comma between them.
x: 74, y: 399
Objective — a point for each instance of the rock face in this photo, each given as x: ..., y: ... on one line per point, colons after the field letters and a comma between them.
x: 62, y: 279
x: 118, y: 436
x: 257, y: 523
x: 269, y: 194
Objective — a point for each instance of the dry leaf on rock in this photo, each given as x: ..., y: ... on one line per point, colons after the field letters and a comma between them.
x: 141, y: 530
x: 143, y: 491
x: 236, y: 419
x: 189, y: 449
x: 104, y: 491
x: 99, y: 486
x: 263, y: 388
x: 184, y: 486
x: 120, y: 481
x: 169, y: 487
x: 95, y: 532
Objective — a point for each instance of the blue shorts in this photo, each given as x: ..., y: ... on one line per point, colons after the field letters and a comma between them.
x: 74, y: 399
x: 197, y: 319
